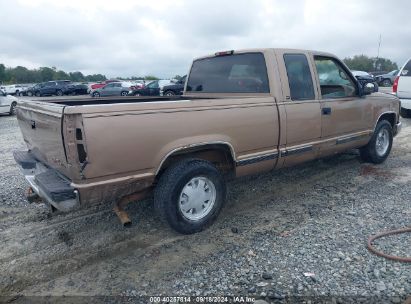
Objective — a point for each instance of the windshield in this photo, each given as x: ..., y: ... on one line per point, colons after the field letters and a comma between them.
x: 242, y: 73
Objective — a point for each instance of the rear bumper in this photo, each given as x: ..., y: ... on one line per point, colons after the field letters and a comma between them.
x: 47, y: 183
x: 406, y: 103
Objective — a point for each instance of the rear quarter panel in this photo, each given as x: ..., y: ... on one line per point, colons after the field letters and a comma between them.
x: 137, y: 141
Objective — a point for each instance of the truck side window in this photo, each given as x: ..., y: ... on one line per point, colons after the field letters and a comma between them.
x: 334, y: 80
x: 299, y: 77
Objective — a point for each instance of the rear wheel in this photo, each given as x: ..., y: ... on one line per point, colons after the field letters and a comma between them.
x: 379, y: 147
x: 96, y: 94
x: 13, y: 108
x: 169, y: 93
x: 386, y: 83
x: 59, y: 93
x: 137, y: 94
x: 190, y: 195
x: 38, y: 94
x: 29, y: 93
x: 405, y: 113
x: 124, y: 93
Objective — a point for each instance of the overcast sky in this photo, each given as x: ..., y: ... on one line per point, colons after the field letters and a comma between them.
x: 159, y: 37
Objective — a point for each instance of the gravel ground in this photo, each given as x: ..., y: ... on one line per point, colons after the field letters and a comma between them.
x: 297, y: 233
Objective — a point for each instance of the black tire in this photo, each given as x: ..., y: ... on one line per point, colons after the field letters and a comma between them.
x: 13, y: 108
x: 124, y: 93
x: 96, y: 94
x: 170, y: 186
x: 137, y: 94
x: 169, y: 93
x: 37, y: 94
x: 59, y: 93
x: 386, y: 83
x: 405, y: 113
x: 369, y: 153
x: 29, y: 93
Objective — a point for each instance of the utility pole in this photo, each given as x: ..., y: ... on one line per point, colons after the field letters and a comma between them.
x: 378, y: 52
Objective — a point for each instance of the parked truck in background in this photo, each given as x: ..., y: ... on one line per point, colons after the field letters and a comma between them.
x: 242, y: 112
x: 402, y: 88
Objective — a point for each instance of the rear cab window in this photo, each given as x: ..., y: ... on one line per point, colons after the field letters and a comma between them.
x: 234, y: 73
x: 299, y: 77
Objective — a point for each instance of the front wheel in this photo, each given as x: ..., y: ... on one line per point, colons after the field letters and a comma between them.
x: 38, y: 94
x: 96, y: 94
x: 59, y: 93
x: 190, y: 195
x: 124, y: 93
x: 379, y: 147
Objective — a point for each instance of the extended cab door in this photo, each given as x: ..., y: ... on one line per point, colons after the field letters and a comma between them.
x: 300, y: 104
x: 346, y: 118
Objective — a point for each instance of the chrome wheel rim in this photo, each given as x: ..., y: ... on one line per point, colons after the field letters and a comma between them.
x: 197, y: 198
x: 382, y: 142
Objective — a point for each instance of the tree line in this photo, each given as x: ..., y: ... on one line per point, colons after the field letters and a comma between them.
x: 370, y: 64
x: 20, y: 74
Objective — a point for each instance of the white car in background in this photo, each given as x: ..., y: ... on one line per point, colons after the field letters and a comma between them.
x: 7, y: 103
x: 14, y: 89
x: 402, y: 88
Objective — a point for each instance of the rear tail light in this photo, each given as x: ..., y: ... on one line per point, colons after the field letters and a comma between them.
x: 395, y: 84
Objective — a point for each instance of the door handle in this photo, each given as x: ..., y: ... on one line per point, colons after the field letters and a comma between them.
x: 326, y: 111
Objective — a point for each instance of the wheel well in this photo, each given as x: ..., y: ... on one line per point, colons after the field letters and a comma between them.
x: 218, y: 154
x: 390, y: 117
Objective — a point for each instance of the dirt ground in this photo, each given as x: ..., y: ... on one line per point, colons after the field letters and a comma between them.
x: 88, y: 252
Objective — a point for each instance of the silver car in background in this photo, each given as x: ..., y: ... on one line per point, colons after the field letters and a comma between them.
x: 112, y: 89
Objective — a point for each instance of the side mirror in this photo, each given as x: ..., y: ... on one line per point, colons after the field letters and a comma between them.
x: 369, y: 88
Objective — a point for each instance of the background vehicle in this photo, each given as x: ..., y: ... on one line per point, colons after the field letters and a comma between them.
x: 151, y: 89
x: 48, y: 88
x: 386, y: 80
x: 402, y: 88
x: 7, y: 103
x: 364, y: 78
x: 230, y: 122
x: 111, y: 89
x: 102, y: 84
x: 75, y: 89
x: 174, y: 89
x: 14, y: 89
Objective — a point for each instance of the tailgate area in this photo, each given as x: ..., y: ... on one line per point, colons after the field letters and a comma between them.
x: 50, y: 185
x: 41, y: 125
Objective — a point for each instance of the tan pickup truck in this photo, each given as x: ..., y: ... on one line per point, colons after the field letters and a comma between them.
x: 242, y: 112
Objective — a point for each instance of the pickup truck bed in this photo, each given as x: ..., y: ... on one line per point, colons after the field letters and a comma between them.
x: 242, y: 113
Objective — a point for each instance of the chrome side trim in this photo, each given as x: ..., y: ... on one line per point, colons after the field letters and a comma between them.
x: 256, y: 159
x: 344, y: 140
x: 293, y: 151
